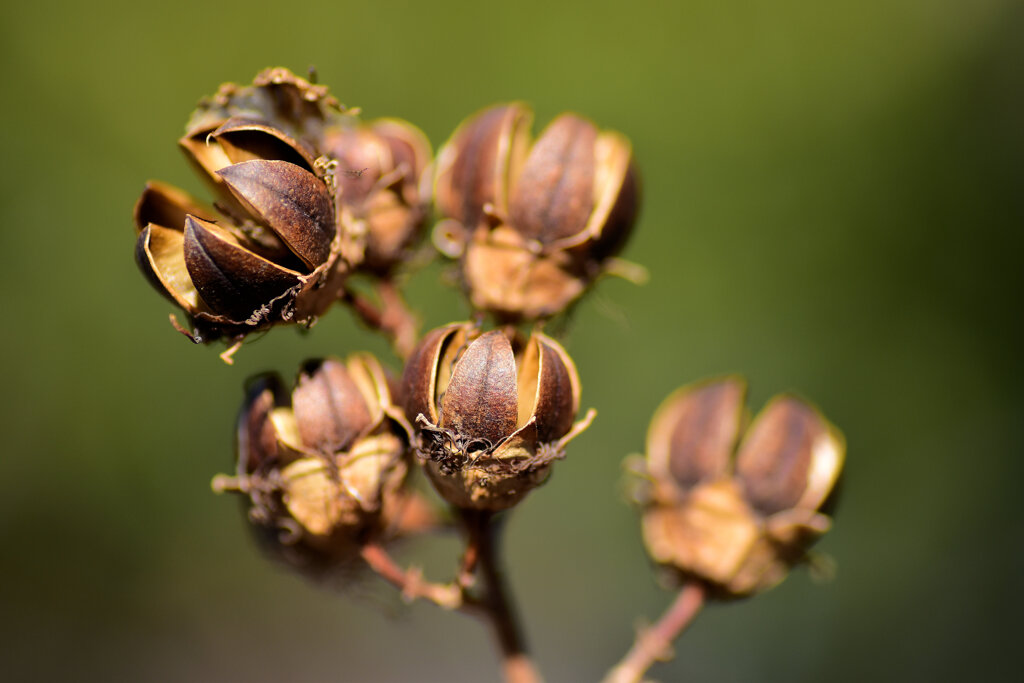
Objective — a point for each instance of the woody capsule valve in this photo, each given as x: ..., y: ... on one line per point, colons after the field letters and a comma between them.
x: 491, y: 412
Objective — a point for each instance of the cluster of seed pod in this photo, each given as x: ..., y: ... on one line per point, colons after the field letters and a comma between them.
x: 306, y: 195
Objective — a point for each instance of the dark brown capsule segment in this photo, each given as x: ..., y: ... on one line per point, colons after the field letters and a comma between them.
x: 245, y: 140
x: 292, y: 201
x: 777, y: 459
x: 330, y: 411
x: 167, y: 206
x: 694, y: 433
x: 557, y: 391
x: 481, y: 399
x: 554, y: 195
x: 159, y: 253
x: 232, y: 280
x: 474, y: 167
x: 256, y: 437
x: 419, y: 379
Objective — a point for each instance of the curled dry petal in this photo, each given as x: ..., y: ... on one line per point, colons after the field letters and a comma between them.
x: 474, y: 166
x: 554, y: 195
x: 232, y: 280
x: 257, y: 439
x: 329, y: 407
x: 693, y: 434
x: 790, y: 457
x: 292, y: 201
x: 245, y: 140
x: 166, y: 205
x: 159, y: 252
x: 549, y: 384
x: 481, y: 399
x: 419, y: 381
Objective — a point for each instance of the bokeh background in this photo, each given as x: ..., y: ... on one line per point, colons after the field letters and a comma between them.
x: 833, y: 205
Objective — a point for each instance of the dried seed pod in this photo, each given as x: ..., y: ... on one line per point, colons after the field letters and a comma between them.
x: 269, y: 252
x: 382, y: 179
x: 534, y: 224
x: 322, y: 469
x: 737, y: 517
x: 491, y: 413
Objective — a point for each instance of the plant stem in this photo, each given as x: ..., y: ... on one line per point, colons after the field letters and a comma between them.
x: 655, y: 643
x: 496, y: 607
x: 393, y: 317
x: 410, y: 581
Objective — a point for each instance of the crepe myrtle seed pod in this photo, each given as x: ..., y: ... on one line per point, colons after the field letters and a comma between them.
x: 383, y: 181
x: 322, y: 469
x: 266, y: 251
x: 534, y: 223
x: 491, y: 412
x: 735, y: 508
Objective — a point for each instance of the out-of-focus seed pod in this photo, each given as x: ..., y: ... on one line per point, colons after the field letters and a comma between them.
x: 491, y: 412
x: 383, y: 189
x: 322, y: 470
x: 268, y: 250
x: 534, y: 224
x: 737, y: 509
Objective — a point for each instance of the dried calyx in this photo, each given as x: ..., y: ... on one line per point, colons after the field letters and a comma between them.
x: 534, y: 223
x: 737, y: 512
x: 323, y: 468
x: 491, y: 411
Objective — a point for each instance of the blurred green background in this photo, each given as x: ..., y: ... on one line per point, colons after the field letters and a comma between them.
x: 832, y: 205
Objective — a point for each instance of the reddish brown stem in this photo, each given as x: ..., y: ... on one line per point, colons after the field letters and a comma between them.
x: 410, y: 581
x: 496, y: 605
x: 392, y: 317
x: 655, y: 642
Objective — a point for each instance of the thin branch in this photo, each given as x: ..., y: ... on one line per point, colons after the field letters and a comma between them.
x: 392, y: 317
x: 410, y: 581
x: 655, y: 642
x: 496, y: 606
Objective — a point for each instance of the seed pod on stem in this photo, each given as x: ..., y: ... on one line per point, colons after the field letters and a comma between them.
x: 535, y: 224
x: 268, y: 250
x: 491, y: 411
x: 734, y: 508
x: 322, y: 469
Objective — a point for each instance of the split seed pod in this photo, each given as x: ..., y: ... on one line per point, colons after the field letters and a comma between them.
x: 534, y: 224
x: 266, y: 251
x: 383, y: 185
x: 323, y: 468
x: 737, y: 517
x: 490, y: 414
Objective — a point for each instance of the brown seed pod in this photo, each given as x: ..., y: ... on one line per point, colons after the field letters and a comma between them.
x: 322, y: 470
x: 491, y: 414
x: 737, y: 517
x: 534, y: 224
x: 383, y: 179
x: 268, y: 251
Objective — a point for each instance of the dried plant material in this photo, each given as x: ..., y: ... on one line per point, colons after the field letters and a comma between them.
x: 737, y: 517
x: 323, y: 468
x: 534, y: 223
x: 492, y: 412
